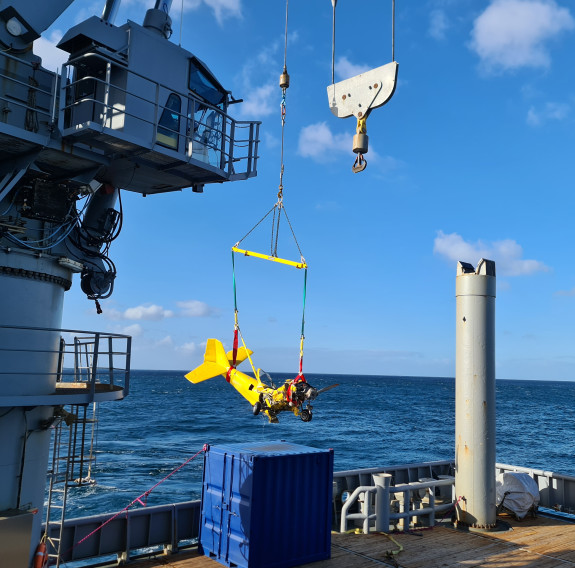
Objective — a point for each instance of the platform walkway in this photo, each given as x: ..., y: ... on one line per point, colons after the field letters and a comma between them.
x: 533, y: 543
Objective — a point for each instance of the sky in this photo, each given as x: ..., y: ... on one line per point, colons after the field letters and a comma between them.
x: 471, y: 158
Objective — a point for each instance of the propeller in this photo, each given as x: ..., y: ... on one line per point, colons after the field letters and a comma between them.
x: 324, y: 389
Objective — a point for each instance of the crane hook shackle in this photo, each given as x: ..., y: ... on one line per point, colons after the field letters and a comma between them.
x: 360, y: 145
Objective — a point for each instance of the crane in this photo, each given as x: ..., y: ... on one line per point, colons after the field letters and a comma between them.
x: 129, y: 110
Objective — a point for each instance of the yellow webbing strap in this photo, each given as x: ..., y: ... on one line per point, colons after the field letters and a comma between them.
x: 256, y: 374
x: 268, y: 257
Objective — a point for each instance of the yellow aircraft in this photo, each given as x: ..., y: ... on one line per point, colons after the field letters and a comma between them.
x: 293, y: 395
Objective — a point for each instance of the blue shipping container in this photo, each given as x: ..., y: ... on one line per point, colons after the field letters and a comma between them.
x: 266, y: 504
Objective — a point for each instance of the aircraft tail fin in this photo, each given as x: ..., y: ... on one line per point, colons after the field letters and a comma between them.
x: 242, y: 355
x: 215, y: 363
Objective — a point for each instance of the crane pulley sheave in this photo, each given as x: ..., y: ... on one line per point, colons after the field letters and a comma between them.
x: 359, y: 95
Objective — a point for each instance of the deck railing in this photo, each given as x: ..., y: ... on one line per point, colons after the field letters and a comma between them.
x: 415, y: 501
x: 138, y: 532
x: 168, y: 528
x: 72, y: 366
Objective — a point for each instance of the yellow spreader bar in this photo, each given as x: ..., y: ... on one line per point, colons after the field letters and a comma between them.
x: 268, y: 257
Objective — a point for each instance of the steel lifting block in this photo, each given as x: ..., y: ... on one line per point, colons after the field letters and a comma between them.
x: 360, y: 143
x: 284, y: 80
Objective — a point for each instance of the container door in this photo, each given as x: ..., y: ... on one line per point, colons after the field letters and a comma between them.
x: 226, y: 508
x: 239, y: 510
x: 214, y: 516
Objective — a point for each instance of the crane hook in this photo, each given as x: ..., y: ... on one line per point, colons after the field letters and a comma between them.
x: 360, y: 145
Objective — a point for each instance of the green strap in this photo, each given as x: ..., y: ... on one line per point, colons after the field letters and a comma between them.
x: 304, y: 294
x: 234, y: 279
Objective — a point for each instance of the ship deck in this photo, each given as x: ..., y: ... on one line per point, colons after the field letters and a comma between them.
x: 540, y: 542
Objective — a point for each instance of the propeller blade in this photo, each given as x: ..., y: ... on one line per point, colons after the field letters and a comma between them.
x: 327, y: 388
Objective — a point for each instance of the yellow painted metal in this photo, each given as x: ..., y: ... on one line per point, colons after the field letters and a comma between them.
x: 269, y: 257
x: 242, y: 354
x: 215, y: 363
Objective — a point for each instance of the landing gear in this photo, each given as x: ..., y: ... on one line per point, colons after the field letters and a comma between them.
x: 256, y: 408
x: 306, y: 415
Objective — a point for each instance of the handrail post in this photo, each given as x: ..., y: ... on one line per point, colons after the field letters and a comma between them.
x: 111, y: 359
x: 405, y: 508
x: 382, y: 482
x: 223, y: 117
x: 127, y: 365
x: 431, y: 491
x: 94, y: 364
x: 232, y: 145
x: 76, y: 359
x: 366, y: 510
x: 106, y: 101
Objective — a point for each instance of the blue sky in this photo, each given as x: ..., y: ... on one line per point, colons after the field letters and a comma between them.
x: 471, y: 158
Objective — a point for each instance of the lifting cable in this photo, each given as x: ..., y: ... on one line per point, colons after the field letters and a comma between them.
x: 276, y: 211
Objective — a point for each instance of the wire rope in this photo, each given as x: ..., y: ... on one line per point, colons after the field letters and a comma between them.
x: 334, y: 4
x: 286, y: 35
x: 276, y: 210
x: 393, y: 30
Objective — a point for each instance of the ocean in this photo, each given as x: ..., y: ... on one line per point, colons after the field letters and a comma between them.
x: 369, y: 421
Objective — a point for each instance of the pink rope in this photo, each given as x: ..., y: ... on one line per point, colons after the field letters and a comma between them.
x: 138, y: 499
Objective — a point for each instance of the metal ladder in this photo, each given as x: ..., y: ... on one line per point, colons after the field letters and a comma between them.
x: 58, y: 488
x: 74, y: 432
x: 72, y: 458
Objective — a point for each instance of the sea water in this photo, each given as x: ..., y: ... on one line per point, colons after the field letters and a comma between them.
x: 369, y: 421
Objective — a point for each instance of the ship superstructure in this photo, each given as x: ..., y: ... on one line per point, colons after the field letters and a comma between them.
x: 130, y: 110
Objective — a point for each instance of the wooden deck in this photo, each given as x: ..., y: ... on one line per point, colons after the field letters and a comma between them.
x: 533, y: 543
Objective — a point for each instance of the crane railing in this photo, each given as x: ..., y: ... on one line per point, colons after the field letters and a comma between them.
x: 195, y: 131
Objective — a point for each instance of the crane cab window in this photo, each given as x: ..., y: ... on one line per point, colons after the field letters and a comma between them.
x: 204, y: 84
x: 169, y: 124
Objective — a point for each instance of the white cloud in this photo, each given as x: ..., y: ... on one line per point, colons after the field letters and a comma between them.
x: 566, y: 293
x: 190, y: 347
x: 165, y: 342
x: 551, y: 111
x: 222, y: 8
x: 262, y: 70
x: 270, y: 140
x: 438, y: 24
x: 52, y: 57
x: 319, y: 143
x: 195, y: 309
x: 149, y: 312
x: 345, y: 69
x: 260, y: 101
x: 134, y: 330
x: 507, y: 254
x: 511, y: 34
